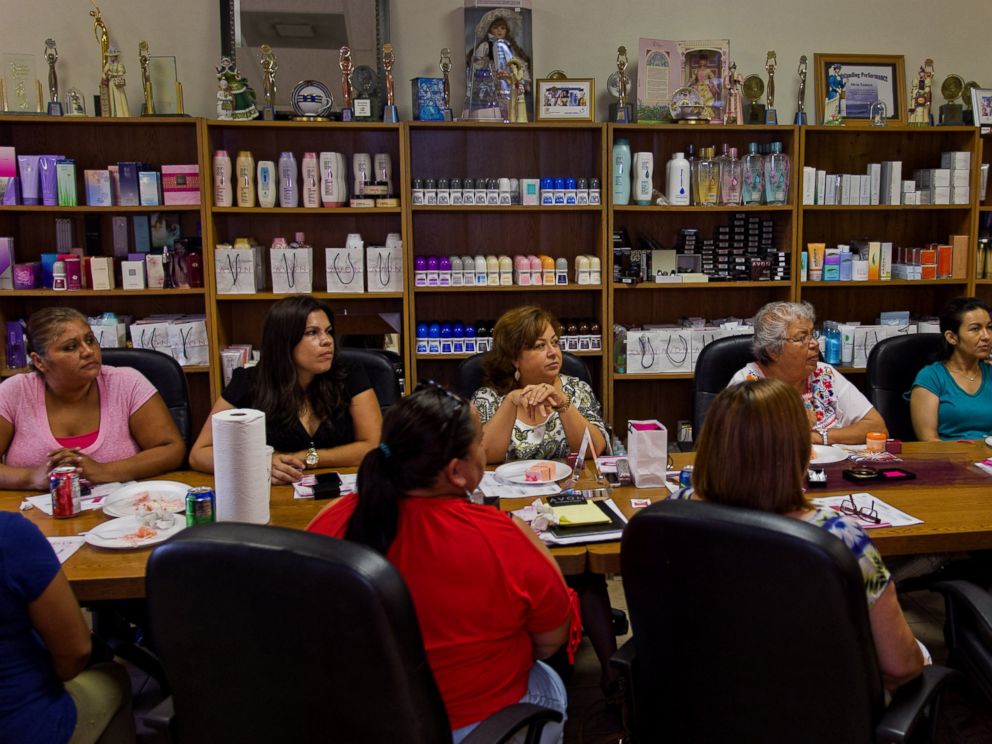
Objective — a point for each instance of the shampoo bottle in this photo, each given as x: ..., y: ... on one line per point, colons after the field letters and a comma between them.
x: 223, y: 193
x: 311, y: 181
x: 246, y: 179
x: 621, y: 172
x: 289, y: 195
x: 266, y: 173
x: 643, y: 171
x: 677, y: 177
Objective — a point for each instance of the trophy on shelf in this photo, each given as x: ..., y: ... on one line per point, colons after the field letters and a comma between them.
x: 347, y: 68
x: 445, y: 64
x: 951, y: 114
x: 920, y: 96
x: 52, y: 56
x: 270, y: 65
x: 801, y: 98
x: 363, y: 82
x: 148, y: 106
x: 20, y: 89
x: 753, y: 88
x: 389, y: 111
x: 75, y: 103
x: 618, y: 84
x: 103, y: 39
x: 771, y: 61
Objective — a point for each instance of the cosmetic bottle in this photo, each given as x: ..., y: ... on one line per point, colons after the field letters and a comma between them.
x: 621, y: 172
x: 311, y: 181
x: 289, y: 194
x: 777, y: 167
x: 677, y: 177
x: 468, y: 271
x: 457, y: 338
x: 223, y: 193
x: 547, y: 270
x: 690, y: 156
x: 730, y: 179
x: 582, y: 269
x: 422, y: 338
x: 492, y: 271
x: 643, y: 171
x: 383, y: 165
x: 536, y: 274
x: 521, y: 270
x: 505, y: 271
x: 246, y: 179
x: 481, y: 271
x: 455, y: 198
x: 457, y: 275
x: 594, y: 192
x: 266, y: 173
x: 707, y: 179
x: 361, y: 166
x: 443, y: 271
x: 470, y: 347
x: 59, y: 281
x: 595, y: 270
x: 420, y: 271
x: 752, y: 176
x: 443, y: 192
x: 434, y: 338
x: 433, y: 279
x: 561, y: 270
x: 446, y: 338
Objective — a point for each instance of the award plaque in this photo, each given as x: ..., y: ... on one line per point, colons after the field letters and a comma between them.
x: 753, y: 88
x: 312, y: 101
x: 363, y: 80
x: 21, y: 89
x: 445, y: 65
x: 52, y: 56
x: 75, y: 103
x: 618, y: 84
x: 801, y: 98
x: 167, y: 91
x: 771, y: 62
x: 952, y: 114
x: 389, y: 111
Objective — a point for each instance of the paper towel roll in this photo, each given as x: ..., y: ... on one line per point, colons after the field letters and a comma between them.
x: 242, y: 466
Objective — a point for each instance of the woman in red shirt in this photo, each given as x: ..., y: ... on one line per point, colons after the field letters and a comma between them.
x: 489, y: 597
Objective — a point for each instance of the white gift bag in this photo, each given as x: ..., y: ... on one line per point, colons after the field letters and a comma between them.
x: 110, y: 334
x: 699, y: 337
x: 674, y: 350
x: 642, y: 352
x: 188, y: 341
x: 384, y: 267
x: 152, y: 335
x: 234, y: 269
x: 865, y: 338
x: 292, y: 270
x: 345, y: 268
x: 647, y: 452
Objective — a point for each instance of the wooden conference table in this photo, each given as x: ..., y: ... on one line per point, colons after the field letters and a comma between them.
x: 957, y: 515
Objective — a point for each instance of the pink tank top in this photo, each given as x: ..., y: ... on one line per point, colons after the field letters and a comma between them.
x: 81, y: 442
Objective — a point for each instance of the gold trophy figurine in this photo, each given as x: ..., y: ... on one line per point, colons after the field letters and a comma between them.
x: 103, y: 38
x: 270, y: 65
x: 445, y: 64
x: 148, y: 107
x: 951, y: 113
x: 389, y: 112
x: 618, y: 84
x: 801, y: 99
x: 347, y: 67
x: 52, y: 56
x: 771, y: 116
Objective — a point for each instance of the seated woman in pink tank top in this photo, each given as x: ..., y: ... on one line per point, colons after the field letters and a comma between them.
x: 108, y: 421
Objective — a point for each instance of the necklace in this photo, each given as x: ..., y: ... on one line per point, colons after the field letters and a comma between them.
x: 970, y: 378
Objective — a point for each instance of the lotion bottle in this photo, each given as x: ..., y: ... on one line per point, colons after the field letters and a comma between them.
x: 643, y: 171
x: 289, y: 195
x: 331, y: 177
x: 311, y: 181
x: 246, y: 179
x: 677, y: 177
x: 266, y: 172
x: 621, y: 171
x: 223, y: 193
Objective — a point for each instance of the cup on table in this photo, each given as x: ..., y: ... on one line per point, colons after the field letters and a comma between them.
x: 875, y: 441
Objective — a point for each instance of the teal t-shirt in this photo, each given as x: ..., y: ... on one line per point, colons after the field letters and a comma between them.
x: 960, y: 415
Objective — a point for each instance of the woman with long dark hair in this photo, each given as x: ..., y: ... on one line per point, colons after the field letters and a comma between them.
x: 318, y: 412
x: 489, y: 597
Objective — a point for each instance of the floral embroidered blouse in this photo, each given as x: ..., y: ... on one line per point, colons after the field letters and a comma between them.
x: 830, y: 395
x: 547, y: 440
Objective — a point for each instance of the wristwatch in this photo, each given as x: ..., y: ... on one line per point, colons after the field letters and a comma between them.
x: 823, y: 434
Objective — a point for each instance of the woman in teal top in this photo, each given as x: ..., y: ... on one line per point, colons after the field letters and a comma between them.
x: 952, y: 398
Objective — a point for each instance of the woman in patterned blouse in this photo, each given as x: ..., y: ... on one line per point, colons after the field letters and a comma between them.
x: 753, y: 453
x: 529, y: 409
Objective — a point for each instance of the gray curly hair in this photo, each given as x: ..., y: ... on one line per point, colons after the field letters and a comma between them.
x: 771, y: 323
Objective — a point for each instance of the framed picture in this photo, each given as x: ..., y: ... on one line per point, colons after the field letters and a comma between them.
x: 704, y: 69
x: 848, y: 84
x: 659, y: 75
x: 569, y: 100
x: 981, y: 105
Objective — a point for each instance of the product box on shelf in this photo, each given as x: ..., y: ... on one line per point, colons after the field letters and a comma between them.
x: 180, y: 184
x: 98, y: 192
x: 133, y: 274
x: 16, y: 345
x: 6, y: 263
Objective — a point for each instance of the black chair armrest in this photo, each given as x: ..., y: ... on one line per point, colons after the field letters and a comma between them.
x: 504, y: 723
x: 910, y: 702
x: 161, y: 717
x: 975, y: 599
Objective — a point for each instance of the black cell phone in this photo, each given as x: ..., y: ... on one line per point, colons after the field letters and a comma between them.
x: 328, y: 486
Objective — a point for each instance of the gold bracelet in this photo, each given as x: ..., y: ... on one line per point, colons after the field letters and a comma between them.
x: 560, y: 409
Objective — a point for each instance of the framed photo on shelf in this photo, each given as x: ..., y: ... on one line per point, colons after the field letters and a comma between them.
x: 981, y: 105
x: 566, y: 100
x: 848, y: 84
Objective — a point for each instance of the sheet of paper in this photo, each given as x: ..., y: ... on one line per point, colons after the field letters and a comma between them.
x: 578, y: 514
x: 610, y: 536
x: 492, y: 487
x: 64, y: 547
x: 98, y: 495
x: 889, y: 515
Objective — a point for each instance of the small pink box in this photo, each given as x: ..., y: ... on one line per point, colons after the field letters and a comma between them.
x: 180, y: 184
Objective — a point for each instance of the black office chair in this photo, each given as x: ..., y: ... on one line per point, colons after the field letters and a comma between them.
x: 753, y: 627
x: 892, y: 366
x: 968, y: 631
x: 468, y: 376
x: 166, y: 375
x: 717, y: 363
x: 271, y: 634
x: 380, y: 370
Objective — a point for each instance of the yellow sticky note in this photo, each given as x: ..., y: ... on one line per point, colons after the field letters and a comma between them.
x: 578, y: 514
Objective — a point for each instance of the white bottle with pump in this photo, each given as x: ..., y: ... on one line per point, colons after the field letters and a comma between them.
x: 332, y: 177
x: 642, y: 172
x: 246, y: 179
x: 678, y: 180
x: 223, y: 193
x: 266, y: 173
x: 289, y: 194
x: 311, y: 181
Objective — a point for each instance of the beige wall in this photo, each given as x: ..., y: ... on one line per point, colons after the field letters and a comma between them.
x: 578, y: 37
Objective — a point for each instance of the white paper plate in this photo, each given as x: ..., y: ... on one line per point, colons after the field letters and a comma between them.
x: 138, y: 497
x: 513, y: 472
x: 121, y: 534
x: 988, y: 441
x: 824, y: 454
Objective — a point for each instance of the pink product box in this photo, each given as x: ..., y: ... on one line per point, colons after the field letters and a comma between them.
x: 6, y: 263
x: 181, y: 184
x: 27, y: 275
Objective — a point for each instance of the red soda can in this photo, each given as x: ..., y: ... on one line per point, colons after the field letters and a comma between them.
x: 64, y: 482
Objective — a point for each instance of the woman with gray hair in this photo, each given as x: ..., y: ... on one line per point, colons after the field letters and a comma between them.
x: 785, y: 348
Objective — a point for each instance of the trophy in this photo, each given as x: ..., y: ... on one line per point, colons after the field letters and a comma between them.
x: 801, y: 99
x: 270, y: 65
x: 951, y: 114
x: 347, y: 67
x: 363, y: 81
x: 148, y: 107
x: 20, y: 89
x: 735, y: 111
x: 878, y: 114
x: 389, y: 112
x: 771, y: 116
x: 75, y: 103
x: 618, y: 84
x: 103, y: 39
x: 52, y: 56
x: 445, y: 64
x: 754, y: 112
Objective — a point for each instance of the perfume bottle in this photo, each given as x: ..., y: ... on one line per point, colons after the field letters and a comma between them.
x: 708, y: 178
x: 753, y: 175
x: 777, y: 167
x: 690, y: 155
x: 730, y: 179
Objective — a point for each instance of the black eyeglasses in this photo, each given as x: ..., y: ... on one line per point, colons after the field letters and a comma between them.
x: 866, y: 513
